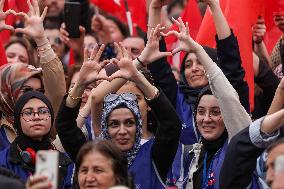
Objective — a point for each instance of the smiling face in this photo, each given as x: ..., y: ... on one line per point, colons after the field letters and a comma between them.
x: 194, y: 72
x: 35, y: 125
x: 122, y: 128
x: 96, y: 172
x: 209, y: 119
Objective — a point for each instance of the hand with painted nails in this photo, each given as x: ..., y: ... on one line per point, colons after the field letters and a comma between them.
x: 92, y: 66
x: 33, y: 21
x: 38, y: 182
x: 186, y: 43
x: 3, y: 16
x: 127, y: 68
x: 152, y: 52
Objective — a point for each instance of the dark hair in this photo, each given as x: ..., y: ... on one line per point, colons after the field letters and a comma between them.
x: 275, y: 144
x: 122, y: 28
x: 175, y: 3
x: 27, y: 45
x: 110, y: 151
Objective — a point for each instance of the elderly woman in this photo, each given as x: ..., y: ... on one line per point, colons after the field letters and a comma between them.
x: 33, y: 121
x: 18, y: 78
x: 121, y: 123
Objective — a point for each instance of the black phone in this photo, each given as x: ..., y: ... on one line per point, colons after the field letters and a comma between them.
x: 72, y: 16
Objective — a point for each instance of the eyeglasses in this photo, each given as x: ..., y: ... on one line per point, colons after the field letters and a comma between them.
x: 126, y: 96
x: 29, y: 115
x: 214, y: 114
x: 26, y: 89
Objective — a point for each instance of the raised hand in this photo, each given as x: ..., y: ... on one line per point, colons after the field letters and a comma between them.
x: 3, y: 16
x: 91, y: 67
x: 127, y: 68
x: 100, y: 27
x: 259, y: 30
x: 152, y: 52
x: 33, y: 21
x: 186, y: 43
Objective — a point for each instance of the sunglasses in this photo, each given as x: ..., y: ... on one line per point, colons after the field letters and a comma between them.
x: 126, y: 96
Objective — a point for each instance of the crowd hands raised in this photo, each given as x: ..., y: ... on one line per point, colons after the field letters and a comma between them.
x: 121, y: 118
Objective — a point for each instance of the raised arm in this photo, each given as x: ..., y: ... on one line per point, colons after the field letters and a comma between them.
x: 71, y: 136
x: 167, y: 136
x: 53, y: 73
x: 234, y: 115
x: 278, y: 100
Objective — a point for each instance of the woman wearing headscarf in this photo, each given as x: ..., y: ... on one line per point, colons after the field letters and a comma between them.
x: 121, y: 123
x: 219, y: 116
x: 193, y: 76
x: 19, y: 78
x: 34, y: 118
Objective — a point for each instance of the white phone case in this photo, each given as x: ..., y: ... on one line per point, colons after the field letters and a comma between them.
x: 47, y: 164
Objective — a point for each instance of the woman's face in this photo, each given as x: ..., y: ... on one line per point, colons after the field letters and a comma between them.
x: 209, y: 119
x: 115, y: 33
x: 96, y: 172
x: 32, y: 83
x: 122, y: 128
x: 35, y: 119
x: 143, y: 106
x: 16, y: 53
x: 194, y: 72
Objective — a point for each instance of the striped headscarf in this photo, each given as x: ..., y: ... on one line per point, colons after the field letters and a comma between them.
x: 12, y: 78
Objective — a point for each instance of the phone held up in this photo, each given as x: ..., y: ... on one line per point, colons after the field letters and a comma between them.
x: 72, y: 12
x: 47, y: 165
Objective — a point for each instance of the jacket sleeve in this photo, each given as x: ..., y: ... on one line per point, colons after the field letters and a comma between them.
x: 71, y: 136
x: 230, y: 63
x: 234, y: 115
x: 163, y: 76
x: 167, y: 135
x: 241, y: 156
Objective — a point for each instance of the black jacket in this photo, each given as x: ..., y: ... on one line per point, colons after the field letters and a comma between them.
x: 166, y: 138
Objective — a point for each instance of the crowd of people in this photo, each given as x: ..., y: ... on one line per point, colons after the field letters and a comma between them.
x: 120, y: 116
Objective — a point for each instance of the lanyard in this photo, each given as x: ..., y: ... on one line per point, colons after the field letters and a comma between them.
x: 205, y: 178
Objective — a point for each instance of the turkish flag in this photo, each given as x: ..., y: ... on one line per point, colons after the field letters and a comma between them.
x: 241, y: 15
x: 192, y: 15
x: 117, y: 8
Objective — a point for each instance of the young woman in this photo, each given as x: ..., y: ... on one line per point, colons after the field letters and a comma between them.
x: 34, y: 117
x: 52, y: 81
x: 218, y: 117
x: 121, y: 123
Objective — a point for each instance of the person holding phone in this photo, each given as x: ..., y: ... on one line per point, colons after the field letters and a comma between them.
x: 34, y: 118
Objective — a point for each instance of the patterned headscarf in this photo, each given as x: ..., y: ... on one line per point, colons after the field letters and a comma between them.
x: 12, y: 78
x: 134, y: 108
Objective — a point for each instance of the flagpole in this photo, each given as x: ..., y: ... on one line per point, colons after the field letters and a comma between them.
x: 129, y: 19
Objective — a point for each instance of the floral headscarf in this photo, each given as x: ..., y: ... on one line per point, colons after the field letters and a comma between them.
x: 134, y: 108
x: 12, y: 78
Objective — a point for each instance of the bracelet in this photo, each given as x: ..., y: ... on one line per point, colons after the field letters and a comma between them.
x: 82, y: 116
x: 44, y: 49
x: 155, y: 96
x: 141, y: 63
x: 43, y: 44
x: 74, y: 97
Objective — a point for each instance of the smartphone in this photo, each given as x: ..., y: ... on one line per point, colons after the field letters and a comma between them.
x: 47, y: 165
x: 279, y: 164
x: 72, y: 12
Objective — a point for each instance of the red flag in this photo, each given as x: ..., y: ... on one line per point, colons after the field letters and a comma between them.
x: 240, y: 15
x: 117, y: 8
x: 272, y: 32
x: 192, y: 15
